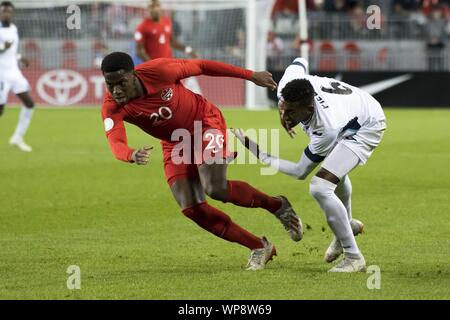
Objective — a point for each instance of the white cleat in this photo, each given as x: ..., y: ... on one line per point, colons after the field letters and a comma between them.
x: 335, y: 249
x: 289, y: 219
x: 20, y: 144
x: 259, y: 257
x: 350, y: 265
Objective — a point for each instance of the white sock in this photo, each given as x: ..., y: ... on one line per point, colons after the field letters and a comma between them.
x: 24, y: 122
x: 323, y: 191
x: 344, y: 193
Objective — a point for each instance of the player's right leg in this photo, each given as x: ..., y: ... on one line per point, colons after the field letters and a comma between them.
x: 190, y: 197
x: 323, y: 185
x: 184, y: 182
x: 21, y: 88
x: 344, y: 193
x: 2, y: 108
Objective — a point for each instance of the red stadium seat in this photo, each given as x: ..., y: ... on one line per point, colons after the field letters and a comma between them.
x: 327, y: 55
x: 382, y: 57
x: 33, y: 53
x: 352, y: 56
x: 69, y: 54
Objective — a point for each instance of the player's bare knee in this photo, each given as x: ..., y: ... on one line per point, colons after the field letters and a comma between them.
x: 216, y: 191
x: 29, y: 104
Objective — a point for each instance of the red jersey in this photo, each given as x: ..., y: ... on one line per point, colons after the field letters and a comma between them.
x: 156, y: 37
x: 167, y: 105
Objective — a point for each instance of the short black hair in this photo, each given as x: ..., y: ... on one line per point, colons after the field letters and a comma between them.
x: 117, y: 61
x: 6, y: 4
x: 298, y: 90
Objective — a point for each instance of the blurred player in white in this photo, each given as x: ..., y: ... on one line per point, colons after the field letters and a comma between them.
x: 345, y: 124
x: 11, y: 77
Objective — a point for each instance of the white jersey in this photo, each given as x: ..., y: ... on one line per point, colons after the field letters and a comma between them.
x: 8, y: 59
x: 340, y: 109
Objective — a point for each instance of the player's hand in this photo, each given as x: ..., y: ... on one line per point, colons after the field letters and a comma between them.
x: 25, y: 62
x: 141, y: 156
x: 291, y: 131
x: 264, y: 79
x: 239, y: 133
x: 8, y: 44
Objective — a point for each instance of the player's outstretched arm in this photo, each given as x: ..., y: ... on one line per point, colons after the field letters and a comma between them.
x: 188, y: 68
x: 299, y: 170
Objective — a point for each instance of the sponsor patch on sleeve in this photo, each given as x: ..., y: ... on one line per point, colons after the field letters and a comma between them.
x: 109, y: 124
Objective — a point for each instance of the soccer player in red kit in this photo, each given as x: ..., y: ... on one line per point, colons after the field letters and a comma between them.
x: 154, y: 37
x: 152, y: 97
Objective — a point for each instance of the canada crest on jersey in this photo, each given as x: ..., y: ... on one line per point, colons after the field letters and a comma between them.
x: 167, y: 94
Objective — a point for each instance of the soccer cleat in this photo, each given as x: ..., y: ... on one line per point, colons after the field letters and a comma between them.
x: 259, y: 257
x: 20, y: 144
x: 289, y: 219
x: 350, y: 265
x: 335, y: 249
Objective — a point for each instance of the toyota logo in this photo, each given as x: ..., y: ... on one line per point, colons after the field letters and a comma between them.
x: 62, y: 87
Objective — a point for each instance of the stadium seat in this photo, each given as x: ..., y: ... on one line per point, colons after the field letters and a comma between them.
x: 69, y: 54
x: 352, y: 56
x: 382, y: 58
x: 327, y: 53
x: 33, y: 53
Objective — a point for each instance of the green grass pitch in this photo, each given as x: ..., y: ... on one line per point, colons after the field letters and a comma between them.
x: 70, y: 202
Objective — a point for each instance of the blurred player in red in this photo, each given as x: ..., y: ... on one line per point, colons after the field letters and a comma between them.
x: 155, y: 39
x: 152, y: 97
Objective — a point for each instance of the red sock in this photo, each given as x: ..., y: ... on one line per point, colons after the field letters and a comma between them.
x: 244, y: 195
x: 220, y: 224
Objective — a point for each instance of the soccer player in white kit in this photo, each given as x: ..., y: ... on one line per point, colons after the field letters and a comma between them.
x: 11, y: 77
x: 345, y: 124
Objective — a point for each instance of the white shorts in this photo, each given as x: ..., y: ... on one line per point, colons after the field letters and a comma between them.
x: 366, y: 139
x: 12, y: 80
x: 354, y: 150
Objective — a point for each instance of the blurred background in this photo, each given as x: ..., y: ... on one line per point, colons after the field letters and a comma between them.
x: 409, y: 48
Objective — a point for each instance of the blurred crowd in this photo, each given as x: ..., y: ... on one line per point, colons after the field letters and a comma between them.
x: 425, y: 20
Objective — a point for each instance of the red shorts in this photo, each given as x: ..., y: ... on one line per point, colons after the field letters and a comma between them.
x: 207, y: 144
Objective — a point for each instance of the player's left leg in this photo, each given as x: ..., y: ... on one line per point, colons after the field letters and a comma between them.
x: 337, y: 165
x: 21, y: 88
x: 213, y: 176
x: 216, y: 185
